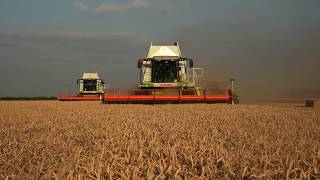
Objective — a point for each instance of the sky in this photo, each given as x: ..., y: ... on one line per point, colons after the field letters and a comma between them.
x: 270, y: 47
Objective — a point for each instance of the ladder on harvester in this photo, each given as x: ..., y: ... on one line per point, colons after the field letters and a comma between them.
x: 193, y: 75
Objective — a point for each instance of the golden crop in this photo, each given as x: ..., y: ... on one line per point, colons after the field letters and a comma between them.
x: 71, y: 140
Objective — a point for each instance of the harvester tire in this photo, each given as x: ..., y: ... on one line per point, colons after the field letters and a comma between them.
x: 235, y: 99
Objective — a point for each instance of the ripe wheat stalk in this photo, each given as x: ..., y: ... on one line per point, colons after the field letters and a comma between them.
x: 86, y: 140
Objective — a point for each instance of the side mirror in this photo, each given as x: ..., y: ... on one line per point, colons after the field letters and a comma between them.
x: 190, y: 63
x: 140, y: 62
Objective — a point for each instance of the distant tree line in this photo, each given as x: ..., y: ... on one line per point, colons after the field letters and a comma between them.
x: 28, y: 98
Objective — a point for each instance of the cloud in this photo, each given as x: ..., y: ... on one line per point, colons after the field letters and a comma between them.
x: 112, y: 6
x: 81, y: 6
x: 36, y: 64
x: 267, y: 61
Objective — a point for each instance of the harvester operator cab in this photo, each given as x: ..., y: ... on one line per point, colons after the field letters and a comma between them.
x: 165, y: 67
x: 90, y: 83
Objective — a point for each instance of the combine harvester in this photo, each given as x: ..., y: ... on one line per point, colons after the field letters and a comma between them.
x: 167, y: 77
x: 91, y: 88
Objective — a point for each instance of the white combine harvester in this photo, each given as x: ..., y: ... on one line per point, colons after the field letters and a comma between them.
x: 90, y: 83
x: 91, y: 87
x: 165, y: 67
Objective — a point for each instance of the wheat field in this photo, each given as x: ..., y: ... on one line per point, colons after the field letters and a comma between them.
x: 88, y: 140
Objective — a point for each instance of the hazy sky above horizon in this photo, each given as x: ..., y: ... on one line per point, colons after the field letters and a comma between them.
x: 271, y: 47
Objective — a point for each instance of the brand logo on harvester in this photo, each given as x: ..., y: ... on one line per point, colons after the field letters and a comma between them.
x: 167, y: 84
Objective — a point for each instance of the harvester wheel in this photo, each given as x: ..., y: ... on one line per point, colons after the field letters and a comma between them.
x: 235, y: 99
